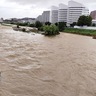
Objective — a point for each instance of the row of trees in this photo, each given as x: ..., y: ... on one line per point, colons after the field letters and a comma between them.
x: 60, y: 25
x: 52, y: 29
x: 83, y: 20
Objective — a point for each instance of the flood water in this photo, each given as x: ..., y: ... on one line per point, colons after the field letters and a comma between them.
x: 36, y: 65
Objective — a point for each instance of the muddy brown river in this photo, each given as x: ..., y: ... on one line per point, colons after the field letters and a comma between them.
x: 36, y: 65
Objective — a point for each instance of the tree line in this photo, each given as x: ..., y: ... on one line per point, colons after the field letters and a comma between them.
x: 52, y: 29
x: 83, y: 21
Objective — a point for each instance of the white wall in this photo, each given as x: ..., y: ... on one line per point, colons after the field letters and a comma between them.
x: 54, y: 14
x: 62, y: 13
x: 75, y: 10
x: 46, y: 16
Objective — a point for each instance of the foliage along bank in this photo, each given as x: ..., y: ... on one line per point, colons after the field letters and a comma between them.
x: 86, y: 32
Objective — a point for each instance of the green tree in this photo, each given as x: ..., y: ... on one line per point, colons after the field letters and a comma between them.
x: 51, y: 30
x: 47, y: 23
x: 73, y: 24
x: 61, y: 26
x: 38, y: 24
x: 93, y: 24
x: 31, y: 25
x: 84, y: 20
x: 22, y: 24
x: 56, y: 24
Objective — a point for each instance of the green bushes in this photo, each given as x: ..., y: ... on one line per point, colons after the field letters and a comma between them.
x: 31, y: 25
x: 84, y: 20
x: 86, y: 32
x: 61, y: 26
x: 38, y: 24
x: 22, y: 24
x: 51, y: 30
x: 47, y: 28
x: 23, y: 29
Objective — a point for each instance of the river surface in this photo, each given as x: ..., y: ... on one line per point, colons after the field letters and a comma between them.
x: 36, y: 65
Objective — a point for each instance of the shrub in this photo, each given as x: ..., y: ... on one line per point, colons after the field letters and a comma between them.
x: 22, y: 24
x: 23, y: 29
x: 93, y: 24
x: 40, y: 28
x: 51, y: 30
x: 47, y: 23
x: 38, y: 24
x: 18, y: 26
x: 61, y: 26
x: 73, y: 24
x: 31, y: 25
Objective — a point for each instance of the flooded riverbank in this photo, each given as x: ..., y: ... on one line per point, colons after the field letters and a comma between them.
x: 36, y: 65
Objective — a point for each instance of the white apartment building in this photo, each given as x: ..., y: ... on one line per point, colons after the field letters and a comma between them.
x: 62, y: 13
x: 46, y: 16
x: 75, y: 10
x: 39, y: 18
x: 1, y: 20
x: 54, y: 14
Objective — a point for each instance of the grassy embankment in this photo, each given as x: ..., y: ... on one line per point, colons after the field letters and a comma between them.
x: 86, y: 32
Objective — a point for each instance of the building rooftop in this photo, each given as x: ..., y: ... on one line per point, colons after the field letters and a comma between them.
x: 72, y: 3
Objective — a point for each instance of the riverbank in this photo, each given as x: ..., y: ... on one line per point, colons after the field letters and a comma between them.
x: 86, y: 32
x: 5, y: 27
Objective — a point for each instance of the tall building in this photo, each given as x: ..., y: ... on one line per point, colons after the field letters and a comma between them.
x: 1, y: 20
x: 39, y: 18
x: 54, y: 14
x: 75, y: 10
x: 93, y: 14
x: 62, y: 13
x: 46, y: 16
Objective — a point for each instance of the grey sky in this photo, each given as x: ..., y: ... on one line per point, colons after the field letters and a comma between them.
x: 33, y: 8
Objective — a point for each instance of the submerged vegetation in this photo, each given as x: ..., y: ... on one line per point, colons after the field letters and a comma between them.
x: 47, y: 28
x: 53, y: 29
x: 50, y: 30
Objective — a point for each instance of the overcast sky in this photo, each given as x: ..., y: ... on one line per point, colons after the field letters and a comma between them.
x: 33, y: 8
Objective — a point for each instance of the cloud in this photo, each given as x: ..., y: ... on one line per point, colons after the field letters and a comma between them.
x: 27, y: 1
x: 46, y: 2
x: 41, y: 3
x: 33, y: 8
x: 49, y: 3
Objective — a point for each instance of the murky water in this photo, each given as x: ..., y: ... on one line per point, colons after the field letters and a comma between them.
x: 35, y: 65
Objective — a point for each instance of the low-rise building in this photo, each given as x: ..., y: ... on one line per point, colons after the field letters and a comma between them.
x: 93, y: 14
x: 27, y: 20
x: 94, y: 21
x: 1, y: 20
